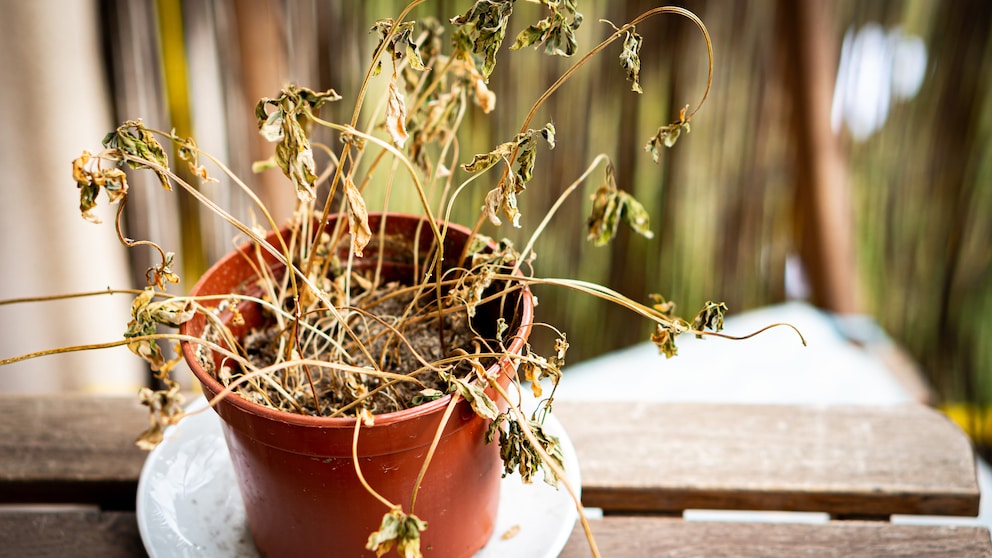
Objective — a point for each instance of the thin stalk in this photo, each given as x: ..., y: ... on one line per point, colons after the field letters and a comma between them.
x: 455, y: 398
x: 119, y: 343
x: 358, y: 469
x: 548, y: 462
x: 554, y: 209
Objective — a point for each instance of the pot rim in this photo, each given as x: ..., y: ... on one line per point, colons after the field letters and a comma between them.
x: 213, y: 386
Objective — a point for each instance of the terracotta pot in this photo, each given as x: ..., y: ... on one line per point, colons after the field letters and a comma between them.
x: 296, y: 473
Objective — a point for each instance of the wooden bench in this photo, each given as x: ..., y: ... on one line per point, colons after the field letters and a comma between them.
x: 642, y: 464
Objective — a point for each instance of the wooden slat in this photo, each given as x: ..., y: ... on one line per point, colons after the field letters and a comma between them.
x: 852, y: 461
x: 634, y: 457
x: 620, y: 537
x: 38, y: 534
x: 115, y: 534
x: 70, y: 448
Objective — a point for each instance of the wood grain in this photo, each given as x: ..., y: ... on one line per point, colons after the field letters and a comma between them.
x: 70, y: 448
x: 659, y: 537
x: 642, y: 458
x: 852, y: 461
x: 69, y: 533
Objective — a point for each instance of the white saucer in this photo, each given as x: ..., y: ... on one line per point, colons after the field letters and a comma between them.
x: 188, y: 501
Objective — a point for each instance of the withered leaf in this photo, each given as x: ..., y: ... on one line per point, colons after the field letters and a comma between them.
x: 399, y: 529
x: 503, y: 198
x: 90, y: 178
x: 610, y: 207
x: 396, y: 116
x: 401, y: 44
x: 164, y: 409
x: 146, y: 313
x: 289, y: 124
x: 189, y: 152
x: 710, y: 317
x: 517, y: 453
x: 664, y: 337
x: 481, y: 403
x: 480, y: 32
x: 667, y: 135
x: 556, y: 32
x: 630, y: 59
x: 161, y: 273
x: 133, y: 140
x: 358, y: 218
x: 665, y: 307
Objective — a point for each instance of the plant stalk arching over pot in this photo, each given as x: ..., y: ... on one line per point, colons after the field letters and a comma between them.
x: 281, y: 456
x: 362, y: 362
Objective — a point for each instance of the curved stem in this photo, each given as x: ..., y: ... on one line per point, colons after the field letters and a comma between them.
x: 554, y: 209
x: 455, y: 398
x: 378, y: 52
x: 616, y: 35
x: 358, y: 469
x: 610, y: 295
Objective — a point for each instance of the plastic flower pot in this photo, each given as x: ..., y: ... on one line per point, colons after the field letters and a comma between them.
x: 296, y: 473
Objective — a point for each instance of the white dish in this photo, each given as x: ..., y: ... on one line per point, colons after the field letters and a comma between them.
x: 188, y: 502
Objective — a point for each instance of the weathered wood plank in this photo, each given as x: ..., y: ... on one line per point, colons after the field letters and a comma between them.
x: 70, y: 448
x: 634, y: 457
x: 43, y: 534
x: 620, y: 537
x: 867, y: 461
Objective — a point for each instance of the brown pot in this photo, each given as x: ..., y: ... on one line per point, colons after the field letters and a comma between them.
x: 296, y: 474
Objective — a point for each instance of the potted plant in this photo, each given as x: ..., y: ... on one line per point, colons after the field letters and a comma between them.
x: 363, y: 362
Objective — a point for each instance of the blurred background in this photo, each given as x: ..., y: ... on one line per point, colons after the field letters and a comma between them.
x: 844, y: 157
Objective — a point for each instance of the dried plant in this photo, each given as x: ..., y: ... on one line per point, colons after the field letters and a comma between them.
x: 340, y: 340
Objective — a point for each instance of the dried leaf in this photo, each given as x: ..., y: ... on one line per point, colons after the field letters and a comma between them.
x: 90, y: 178
x: 665, y: 307
x: 133, y: 140
x: 610, y: 207
x: 556, y: 32
x: 630, y: 59
x: 710, y: 317
x: 146, y: 313
x: 396, y: 116
x: 519, y: 455
x: 272, y: 128
x: 358, y: 218
x: 189, y: 152
x: 485, y: 98
x: 481, y: 403
x: 426, y: 395
x: 635, y: 216
x: 664, y: 337
x: 401, y: 44
x: 160, y: 274
x: 172, y: 312
x: 165, y: 407
x: 503, y: 198
x: 667, y: 135
x: 531, y: 372
x: 603, y: 221
x: 480, y: 32
x: 483, y: 161
x: 289, y: 124
x: 399, y: 529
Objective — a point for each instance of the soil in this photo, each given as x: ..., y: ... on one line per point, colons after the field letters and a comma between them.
x: 337, y: 390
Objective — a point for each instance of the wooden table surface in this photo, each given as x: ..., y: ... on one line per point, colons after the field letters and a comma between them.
x: 69, y: 474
